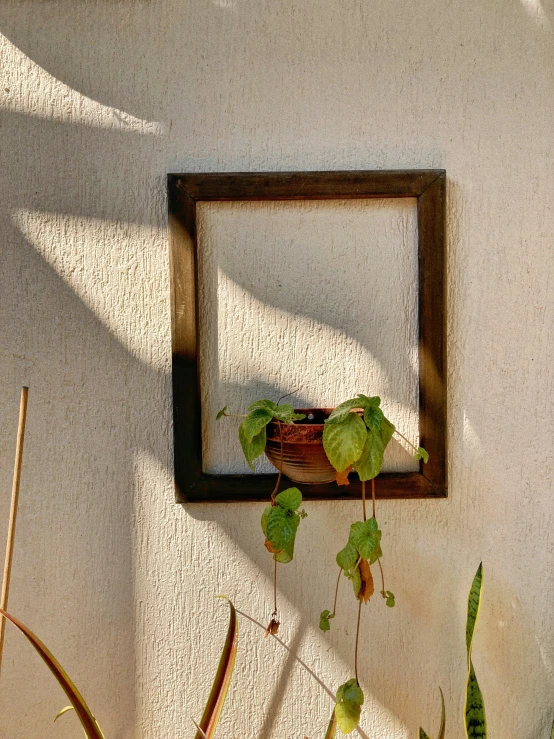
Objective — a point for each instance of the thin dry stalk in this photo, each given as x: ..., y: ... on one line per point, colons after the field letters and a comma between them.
x: 13, y: 513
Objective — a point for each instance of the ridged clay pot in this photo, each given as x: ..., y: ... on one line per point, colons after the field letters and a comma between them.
x: 304, y: 459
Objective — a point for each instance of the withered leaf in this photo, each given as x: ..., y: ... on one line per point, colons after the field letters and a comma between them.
x: 368, y: 587
x: 270, y: 548
x: 272, y: 628
x: 342, y: 477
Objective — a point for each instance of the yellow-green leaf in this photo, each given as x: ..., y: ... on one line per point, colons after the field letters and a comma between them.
x: 344, y: 441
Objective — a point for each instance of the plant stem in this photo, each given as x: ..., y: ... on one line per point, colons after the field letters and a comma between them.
x: 287, y: 395
x: 406, y: 440
x: 363, y: 499
x: 276, y: 488
x: 373, y: 495
x: 357, y: 639
x: 289, y: 650
x: 382, y: 576
x: 273, y: 494
x: 336, y: 593
x: 275, y: 586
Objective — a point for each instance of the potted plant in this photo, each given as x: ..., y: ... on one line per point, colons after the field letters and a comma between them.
x: 352, y: 437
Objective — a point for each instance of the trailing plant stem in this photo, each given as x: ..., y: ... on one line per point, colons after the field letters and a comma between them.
x: 275, y: 587
x: 372, y: 496
x: 363, y: 500
x: 382, y: 575
x: 273, y: 494
x: 276, y: 488
x: 357, y: 639
x: 406, y: 440
x: 337, y: 593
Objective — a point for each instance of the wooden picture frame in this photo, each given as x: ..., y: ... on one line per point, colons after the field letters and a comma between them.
x: 184, y: 192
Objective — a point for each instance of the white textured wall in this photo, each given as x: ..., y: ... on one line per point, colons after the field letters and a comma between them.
x: 99, y: 99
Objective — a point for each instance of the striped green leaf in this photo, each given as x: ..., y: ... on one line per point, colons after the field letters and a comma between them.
x: 474, y: 711
x: 473, y: 604
x: 475, y: 720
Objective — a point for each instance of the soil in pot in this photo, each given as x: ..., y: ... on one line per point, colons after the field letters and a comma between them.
x: 304, y: 458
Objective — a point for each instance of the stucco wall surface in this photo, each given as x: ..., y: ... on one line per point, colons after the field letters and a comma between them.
x: 99, y: 100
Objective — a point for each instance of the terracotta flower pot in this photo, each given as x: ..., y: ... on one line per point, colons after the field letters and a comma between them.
x: 304, y: 459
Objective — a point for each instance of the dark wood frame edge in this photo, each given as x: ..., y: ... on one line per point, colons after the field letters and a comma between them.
x: 184, y: 191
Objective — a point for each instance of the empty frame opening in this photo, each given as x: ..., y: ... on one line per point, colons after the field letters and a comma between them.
x: 314, y: 298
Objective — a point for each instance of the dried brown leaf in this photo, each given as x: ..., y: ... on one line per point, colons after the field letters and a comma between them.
x: 342, y: 477
x: 368, y: 587
x: 272, y: 628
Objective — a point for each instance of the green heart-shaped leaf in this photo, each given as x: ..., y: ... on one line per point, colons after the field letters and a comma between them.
x: 254, y: 422
x: 281, y: 527
x: 347, y: 557
x: 324, y: 617
x: 252, y: 448
x: 366, y: 537
x: 422, y: 454
x: 290, y: 499
x: 344, y: 441
x: 373, y: 417
x: 351, y: 692
x: 266, y: 405
x: 370, y: 462
x: 350, y: 698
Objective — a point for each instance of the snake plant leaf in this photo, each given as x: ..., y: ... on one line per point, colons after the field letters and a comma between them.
x: 289, y: 499
x: 252, y: 448
x: 266, y: 405
x: 324, y: 617
x: 473, y: 605
x: 221, y: 413
x: 442, y: 728
x: 423, y: 735
x: 344, y: 441
x: 552, y: 731
x: 217, y: 696
x: 331, y: 732
x: 366, y: 537
x: 347, y: 557
x: 475, y: 719
x: 88, y: 722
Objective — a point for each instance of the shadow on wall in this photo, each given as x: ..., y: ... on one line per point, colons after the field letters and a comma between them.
x: 97, y: 400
